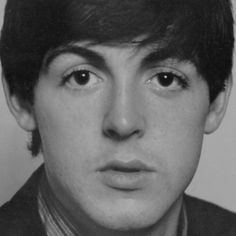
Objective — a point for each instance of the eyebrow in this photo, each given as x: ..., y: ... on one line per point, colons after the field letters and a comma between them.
x: 91, y: 56
x: 96, y: 59
x: 158, y: 55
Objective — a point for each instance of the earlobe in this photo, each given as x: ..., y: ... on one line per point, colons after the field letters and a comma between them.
x: 217, y: 109
x: 22, y: 111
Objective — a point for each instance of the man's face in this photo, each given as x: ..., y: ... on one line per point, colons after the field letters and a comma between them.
x: 121, y: 132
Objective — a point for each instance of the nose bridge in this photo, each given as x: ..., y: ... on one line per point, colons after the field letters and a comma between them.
x: 123, y: 118
x: 124, y: 108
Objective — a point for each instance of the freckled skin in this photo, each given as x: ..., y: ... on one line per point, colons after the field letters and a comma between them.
x: 162, y: 127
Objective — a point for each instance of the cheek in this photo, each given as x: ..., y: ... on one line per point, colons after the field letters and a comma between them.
x: 68, y: 130
x: 70, y: 145
x: 177, y: 132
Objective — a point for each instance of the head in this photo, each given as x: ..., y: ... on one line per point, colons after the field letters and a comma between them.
x: 180, y: 91
x: 31, y: 29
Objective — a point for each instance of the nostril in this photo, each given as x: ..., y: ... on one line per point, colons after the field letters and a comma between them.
x: 110, y: 133
x: 119, y: 136
x: 122, y: 124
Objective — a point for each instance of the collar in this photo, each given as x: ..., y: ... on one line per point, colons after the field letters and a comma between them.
x: 56, y: 224
x: 54, y: 221
x: 183, y: 222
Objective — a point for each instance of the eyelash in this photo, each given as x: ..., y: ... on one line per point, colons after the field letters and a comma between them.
x: 69, y: 74
x: 66, y: 77
x: 182, y: 82
x: 180, y: 79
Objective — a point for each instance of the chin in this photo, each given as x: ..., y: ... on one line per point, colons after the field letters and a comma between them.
x: 127, y: 215
x: 127, y: 221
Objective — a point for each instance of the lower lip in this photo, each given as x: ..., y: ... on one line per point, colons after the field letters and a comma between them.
x: 126, y: 181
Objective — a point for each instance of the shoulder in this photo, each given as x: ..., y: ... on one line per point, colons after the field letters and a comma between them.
x: 19, y: 216
x: 207, y: 219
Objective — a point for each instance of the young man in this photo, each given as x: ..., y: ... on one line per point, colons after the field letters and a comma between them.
x: 118, y: 96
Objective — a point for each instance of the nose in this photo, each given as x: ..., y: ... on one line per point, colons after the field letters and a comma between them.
x: 124, y: 119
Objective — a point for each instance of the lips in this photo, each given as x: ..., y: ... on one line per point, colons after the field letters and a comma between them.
x: 126, y: 176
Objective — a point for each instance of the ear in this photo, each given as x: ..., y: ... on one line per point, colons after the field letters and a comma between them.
x: 217, y: 109
x: 22, y: 111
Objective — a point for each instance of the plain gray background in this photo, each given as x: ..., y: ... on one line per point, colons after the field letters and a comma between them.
x: 215, y: 179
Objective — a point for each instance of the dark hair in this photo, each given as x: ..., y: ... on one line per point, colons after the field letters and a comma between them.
x: 197, y: 30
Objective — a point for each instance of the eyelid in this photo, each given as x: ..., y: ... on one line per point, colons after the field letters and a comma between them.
x: 180, y: 78
x: 80, y: 67
x: 165, y: 69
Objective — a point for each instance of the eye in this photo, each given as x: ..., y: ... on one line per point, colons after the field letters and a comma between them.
x: 168, y: 80
x: 80, y: 78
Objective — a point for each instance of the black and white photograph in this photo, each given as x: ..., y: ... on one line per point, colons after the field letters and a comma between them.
x: 117, y: 118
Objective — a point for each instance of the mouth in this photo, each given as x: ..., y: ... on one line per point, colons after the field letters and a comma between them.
x: 126, y: 176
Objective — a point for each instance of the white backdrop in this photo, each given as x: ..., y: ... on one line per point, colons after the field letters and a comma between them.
x: 215, y: 179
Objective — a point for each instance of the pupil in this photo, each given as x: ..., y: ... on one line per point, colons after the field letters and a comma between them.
x: 165, y: 79
x: 82, y: 77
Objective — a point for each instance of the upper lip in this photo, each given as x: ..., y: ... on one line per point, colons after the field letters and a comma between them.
x: 130, y: 166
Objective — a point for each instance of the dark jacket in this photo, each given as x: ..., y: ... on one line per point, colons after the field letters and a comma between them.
x: 19, y: 216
